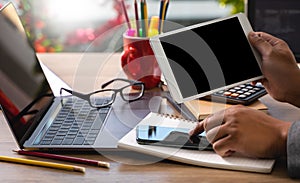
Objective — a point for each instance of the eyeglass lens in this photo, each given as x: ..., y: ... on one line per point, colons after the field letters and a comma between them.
x: 132, y: 92
x: 102, y: 98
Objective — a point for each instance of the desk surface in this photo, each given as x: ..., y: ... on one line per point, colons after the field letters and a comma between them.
x: 123, y: 166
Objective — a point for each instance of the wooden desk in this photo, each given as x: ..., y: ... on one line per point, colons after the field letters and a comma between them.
x: 123, y: 166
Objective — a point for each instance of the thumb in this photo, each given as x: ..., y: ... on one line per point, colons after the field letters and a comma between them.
x: 198, y: 129
x: 259, y: 43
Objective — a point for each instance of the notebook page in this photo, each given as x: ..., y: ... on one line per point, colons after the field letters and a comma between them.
x: 194, y: 157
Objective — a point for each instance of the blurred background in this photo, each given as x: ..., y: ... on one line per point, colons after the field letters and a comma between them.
x: 74, y: 25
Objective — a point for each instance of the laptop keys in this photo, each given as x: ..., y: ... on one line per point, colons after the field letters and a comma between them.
x: 77, y: 123
x: 79, y: 140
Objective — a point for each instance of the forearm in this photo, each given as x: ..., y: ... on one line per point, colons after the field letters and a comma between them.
x: 293, y: 150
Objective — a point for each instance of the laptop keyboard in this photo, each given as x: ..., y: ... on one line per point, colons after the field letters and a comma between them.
x: 77, y: 123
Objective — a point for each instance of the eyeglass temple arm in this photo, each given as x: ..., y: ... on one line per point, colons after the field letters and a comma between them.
x: 77, y: 94
x: 117, y: 79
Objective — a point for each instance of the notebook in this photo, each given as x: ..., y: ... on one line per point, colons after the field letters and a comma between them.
x: 40, y: 120
x: 200, y: 109
x: 193, y: 157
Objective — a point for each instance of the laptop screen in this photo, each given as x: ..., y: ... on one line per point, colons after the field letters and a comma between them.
x: 279, y: 18
x: 24, y: 94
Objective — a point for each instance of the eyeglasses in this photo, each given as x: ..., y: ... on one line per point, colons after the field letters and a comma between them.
x: 133, y: 90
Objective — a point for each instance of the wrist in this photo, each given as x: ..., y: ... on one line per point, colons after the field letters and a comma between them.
x: 293, y: 94
x: 283, y: 136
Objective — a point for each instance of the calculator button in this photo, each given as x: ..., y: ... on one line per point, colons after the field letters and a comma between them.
x: 220, y: 92
x: 244, y: 93
x: 247, y: 93
x: 240, y: 92
x: 257, y: 89
x: 227, y: 93
x: 234, y: 95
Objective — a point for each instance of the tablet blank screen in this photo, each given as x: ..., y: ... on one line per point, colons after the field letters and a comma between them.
x: 210, y: 57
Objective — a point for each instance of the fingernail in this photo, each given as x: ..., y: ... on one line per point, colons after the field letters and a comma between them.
x: 252, y: 34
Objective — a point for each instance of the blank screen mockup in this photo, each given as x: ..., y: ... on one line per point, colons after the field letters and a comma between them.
x: 209, y: 57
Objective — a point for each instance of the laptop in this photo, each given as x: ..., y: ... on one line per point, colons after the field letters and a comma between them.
x: 279, y: 18
x: 38, y: 119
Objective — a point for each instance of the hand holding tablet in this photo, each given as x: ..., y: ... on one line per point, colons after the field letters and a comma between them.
x: 201, y: 59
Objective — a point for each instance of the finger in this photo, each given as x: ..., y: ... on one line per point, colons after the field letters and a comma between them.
x: 262, y: 45
x: 265, y: 83
x: 212, y: 135
x: 214, y: 120
x: 269, y: 38
x: 217, y: 133
x: 256, y: 81
x: 225, y: 146
x: 198, y: 129
x: 228, y: 153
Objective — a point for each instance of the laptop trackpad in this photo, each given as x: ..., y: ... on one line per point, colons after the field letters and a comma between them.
x: 119, y: 124
x: 125, y: 116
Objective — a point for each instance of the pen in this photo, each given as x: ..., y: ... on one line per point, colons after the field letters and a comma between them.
x: 125, y: 14
x: 179, y: 108
x: 162, y: 2
x: 42, y: 164
x: 64, y: 158
x: 164, y: 14
x: 166, y: 9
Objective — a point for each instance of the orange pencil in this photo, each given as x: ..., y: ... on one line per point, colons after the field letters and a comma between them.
x: 146, y: 18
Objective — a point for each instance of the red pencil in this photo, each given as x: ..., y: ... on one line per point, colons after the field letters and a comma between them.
x: 137, y: 18
x: 64, y: 158
x: 125, y: 14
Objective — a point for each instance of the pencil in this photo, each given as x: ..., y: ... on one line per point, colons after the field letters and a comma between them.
x: 143, y: 18
x: 146, y: 18
x: 42, y: 164
x: 125, y: 14
x: 137, y: 18
x: 65, y: 158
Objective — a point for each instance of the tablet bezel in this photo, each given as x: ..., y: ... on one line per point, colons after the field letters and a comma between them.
x: 168, y: 73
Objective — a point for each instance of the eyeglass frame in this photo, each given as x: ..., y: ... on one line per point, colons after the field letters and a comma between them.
x: 116, y: 91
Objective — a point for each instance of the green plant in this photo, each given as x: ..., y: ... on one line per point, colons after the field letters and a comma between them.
x: 237, y: 5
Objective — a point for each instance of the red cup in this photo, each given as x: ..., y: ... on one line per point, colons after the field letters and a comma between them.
x: 138, y: 61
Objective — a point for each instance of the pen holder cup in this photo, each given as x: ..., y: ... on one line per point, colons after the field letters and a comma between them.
x: 138, y: 61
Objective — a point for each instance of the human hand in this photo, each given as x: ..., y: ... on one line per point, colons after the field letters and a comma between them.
x: 279, y: 67
x: 246, y: 131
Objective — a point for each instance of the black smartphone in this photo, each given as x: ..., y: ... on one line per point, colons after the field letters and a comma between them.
x: 171, y: 137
